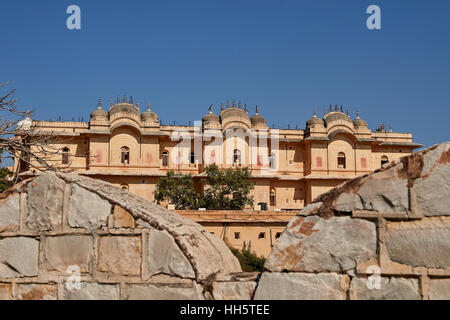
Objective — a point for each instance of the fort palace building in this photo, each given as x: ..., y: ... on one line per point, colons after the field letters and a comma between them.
x: 289, y: 167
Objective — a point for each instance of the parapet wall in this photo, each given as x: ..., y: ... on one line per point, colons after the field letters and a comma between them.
x: 385, y: 235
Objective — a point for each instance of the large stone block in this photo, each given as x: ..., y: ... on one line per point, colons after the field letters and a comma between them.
x: 5, y: 291
x: 19, y: 257
x: 164, y: 256
x: 9, y: 213
x: 36, y: 292
x: 314, y: 244
x: 64, y: 251
x: 209, y: 255
x: 233, y: 290
x: 45, y: 202
x: 389, y: 289
x: 93, y: 291
x: 122, y: 218
x: 87, y: 210
x: 120, y: 255
x: 302, y: 286
x: 439, y: 289
x: 434, y: 182
x: 384, y: 191
x: 163, y: 292
x: 420, y: 243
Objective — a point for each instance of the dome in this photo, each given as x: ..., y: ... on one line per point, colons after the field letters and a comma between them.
x: 124, y: 107
x: 149, y: 115
x: 210, y: 118
x: 314, y: 121
x: 257, y: 120
x: 235, y: 117
x: 25, y: 124
x: 99, y: 114
x: 336, y: 116
x: 234, y: 113
x: 358, y: 123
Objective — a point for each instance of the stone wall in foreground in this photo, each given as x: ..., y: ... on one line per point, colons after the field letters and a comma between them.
x: 56, y: 226
x: 381, y: 236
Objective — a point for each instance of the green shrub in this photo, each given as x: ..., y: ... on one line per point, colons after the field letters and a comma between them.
x: 249, y: 261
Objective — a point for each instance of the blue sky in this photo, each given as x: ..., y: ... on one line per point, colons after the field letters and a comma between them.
x: 287, y: 57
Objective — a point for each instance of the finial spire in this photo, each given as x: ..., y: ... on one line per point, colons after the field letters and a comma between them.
x: 99, y: 103
x: 110, y: 103
x: 335, y: 107
x: 148, y: 106
x: 118, y: 100
x: 390, y: 128
x: 234, y: 104
x: 357, y: 114
x: 131, y: 99
x: 221, y: 107
x: 210, y: 108
x: 228, y: 104
x: 314, y: 113
x: 330, y: 108
x: 124, y: 99
x: 245, y: 108
x: 256, y: 109
x: 347, y: 113
x: 240, y: 104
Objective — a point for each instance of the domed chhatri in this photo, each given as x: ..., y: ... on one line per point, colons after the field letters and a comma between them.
x: 315, y: 120
x: 258, y: 122
x: 149, y: 115
x: 358, y: 122
x: 99, y: 113
x: 211, y: 120
x: 336, y: 115
x: 124, y: 106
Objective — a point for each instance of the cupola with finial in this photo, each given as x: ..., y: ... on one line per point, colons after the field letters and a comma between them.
x: 99, y: 114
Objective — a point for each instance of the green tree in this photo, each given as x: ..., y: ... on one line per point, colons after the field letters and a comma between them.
x: 4, y: 183
x: 249, y: 261
x: 227, y: 189
x: 177, y: 189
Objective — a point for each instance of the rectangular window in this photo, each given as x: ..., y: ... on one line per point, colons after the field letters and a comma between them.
x: 363, y: 163
x: 262, y: 235
x: 237, y: 235
x: 319, y: 162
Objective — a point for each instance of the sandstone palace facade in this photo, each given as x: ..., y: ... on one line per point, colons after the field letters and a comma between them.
x: 289, y: 167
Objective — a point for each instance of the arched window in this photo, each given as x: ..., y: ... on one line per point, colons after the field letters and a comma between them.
x: 65, y: 155
x: 165, y: 158
x: 124, y: 187
x: 192, y: 158
x: 341, y: 160
x: 125, y: 155
x: 272, y: 197
x: 236, y: 157
x: 384, y: 160
x: 272, y: 161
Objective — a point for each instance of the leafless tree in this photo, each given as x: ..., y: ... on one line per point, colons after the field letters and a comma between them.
x: 21, y: 141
